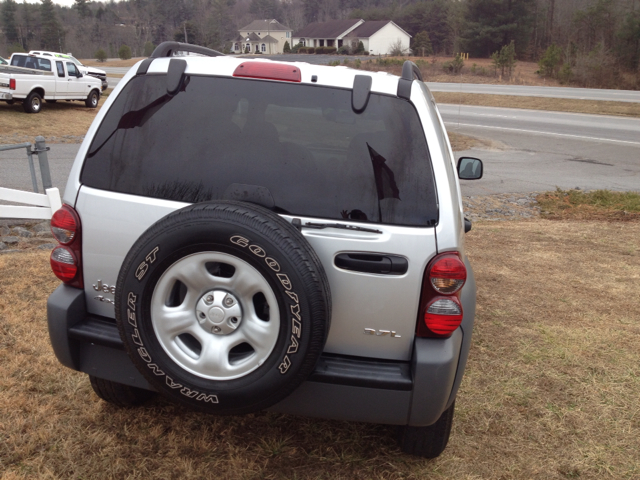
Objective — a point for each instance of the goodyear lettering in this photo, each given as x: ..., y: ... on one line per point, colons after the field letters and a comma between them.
x: 284, y: 366
x: 294, y: 296
x: 284, y: 280
x: 296, y: 320
x: 257, y: 251
x: 132, y: 318
x: 142, y: 269
x: 238, y: 240
x: 272, y: 264
x: 296, y: 328
x: 151, y: 256
x: 293, y: 348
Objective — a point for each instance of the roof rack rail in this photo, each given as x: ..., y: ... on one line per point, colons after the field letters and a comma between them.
x: 167, y: 49
x: 410, y: 72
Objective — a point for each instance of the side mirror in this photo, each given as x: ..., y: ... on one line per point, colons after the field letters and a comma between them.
x: 469, y: 168
x: 79, y: 74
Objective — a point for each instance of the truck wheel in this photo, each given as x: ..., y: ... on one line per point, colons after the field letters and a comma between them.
x: 223, y: 307
x: 118, y: 394
x: 428, y: 442
x: 93, y: 99
x: 33, y: 103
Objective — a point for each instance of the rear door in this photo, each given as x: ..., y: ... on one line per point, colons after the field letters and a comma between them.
x: 360, y: 184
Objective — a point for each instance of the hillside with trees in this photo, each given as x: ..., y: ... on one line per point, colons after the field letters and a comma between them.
x: 584, y: 41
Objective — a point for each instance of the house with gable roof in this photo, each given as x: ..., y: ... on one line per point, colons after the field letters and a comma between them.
x: 262, y: 36
x: 378, y: 37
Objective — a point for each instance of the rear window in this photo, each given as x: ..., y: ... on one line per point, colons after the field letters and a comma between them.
x: 299, y: 146
x: 31, y: 62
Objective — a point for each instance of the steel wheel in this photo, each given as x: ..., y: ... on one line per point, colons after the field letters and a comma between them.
x: 218, y: 326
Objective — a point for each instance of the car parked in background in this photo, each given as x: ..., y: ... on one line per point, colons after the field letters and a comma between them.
x: 3, y: 61
x: 30, y: 79
x: 86, y: 70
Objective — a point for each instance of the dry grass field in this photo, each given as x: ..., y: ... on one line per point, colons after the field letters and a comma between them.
x: 551, y: 388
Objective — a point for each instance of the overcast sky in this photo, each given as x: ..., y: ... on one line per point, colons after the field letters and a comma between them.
x: 65, y: 3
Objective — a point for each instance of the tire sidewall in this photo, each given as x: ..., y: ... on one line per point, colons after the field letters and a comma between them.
x: 34, y: 103
x: 292, y: 357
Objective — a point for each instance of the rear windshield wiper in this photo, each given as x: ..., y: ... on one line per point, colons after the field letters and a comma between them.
x: 342, y: 226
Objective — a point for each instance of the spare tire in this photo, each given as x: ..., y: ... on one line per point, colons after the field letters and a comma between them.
x: 223, y: 307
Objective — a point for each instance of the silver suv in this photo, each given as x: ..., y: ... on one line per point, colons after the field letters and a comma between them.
x: 241, y: 235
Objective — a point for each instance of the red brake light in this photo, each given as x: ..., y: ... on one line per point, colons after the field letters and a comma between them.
x: 64, y: 264
x: 268, y: 71
x: 440, y: 308
x: 66, y: 260
x: 443, y: 315
x: 448, y: 274
x: 64, y: 224
x: 12, y: 83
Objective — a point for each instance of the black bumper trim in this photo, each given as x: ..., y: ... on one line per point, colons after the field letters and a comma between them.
x: 97, y: 330
x: 331, y: 368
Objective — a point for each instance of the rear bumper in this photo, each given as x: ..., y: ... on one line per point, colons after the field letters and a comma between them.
x: 342, y: 388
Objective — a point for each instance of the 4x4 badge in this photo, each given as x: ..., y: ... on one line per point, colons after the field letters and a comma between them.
x: 381, y: 333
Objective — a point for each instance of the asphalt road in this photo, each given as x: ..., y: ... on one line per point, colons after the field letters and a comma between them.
x: 517, y: 90
x: 529, y: 151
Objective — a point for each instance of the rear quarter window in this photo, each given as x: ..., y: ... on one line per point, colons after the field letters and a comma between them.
x: 302, y: 144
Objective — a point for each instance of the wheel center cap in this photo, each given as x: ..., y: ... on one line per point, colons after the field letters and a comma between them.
x: 216, y: 315
x: 219, y: 312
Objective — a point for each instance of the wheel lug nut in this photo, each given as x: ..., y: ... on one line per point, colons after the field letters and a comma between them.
x: 234, y: 320
x: 228, y: 301
x: 209, y: 299
x: 216, y: 329
x: 201, y: 315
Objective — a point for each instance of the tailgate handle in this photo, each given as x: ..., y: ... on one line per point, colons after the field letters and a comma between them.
x: 372, y: 263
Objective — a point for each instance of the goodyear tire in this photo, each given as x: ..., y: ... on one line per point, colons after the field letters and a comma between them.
x: 223, y: 307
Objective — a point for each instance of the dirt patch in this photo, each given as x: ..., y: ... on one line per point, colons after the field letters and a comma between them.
x: 112, y: 63
x: 60, y: 122
x: 550, y: 390
x: 626, y: 109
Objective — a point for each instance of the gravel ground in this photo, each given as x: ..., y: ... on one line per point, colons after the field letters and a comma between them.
x: 18, y: 235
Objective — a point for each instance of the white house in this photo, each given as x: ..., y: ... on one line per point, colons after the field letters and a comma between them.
x: 325, y: 34
x: 262, y: 36
x: 378, y: 37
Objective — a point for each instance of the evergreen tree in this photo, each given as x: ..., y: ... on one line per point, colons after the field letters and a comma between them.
x: 422, y: 44
x: 52, y: 35
x: 9, y: 21
x: 83, y: 9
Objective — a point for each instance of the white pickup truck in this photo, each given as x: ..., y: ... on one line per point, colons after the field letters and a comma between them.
x: 31, y: 78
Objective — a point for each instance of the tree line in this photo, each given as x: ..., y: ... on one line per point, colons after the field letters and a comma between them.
x: 564, y: 35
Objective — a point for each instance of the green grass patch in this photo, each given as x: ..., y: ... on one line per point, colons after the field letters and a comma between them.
x: 596, y: 204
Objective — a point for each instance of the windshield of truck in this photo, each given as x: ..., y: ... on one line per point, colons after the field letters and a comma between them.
x: 302, y: 146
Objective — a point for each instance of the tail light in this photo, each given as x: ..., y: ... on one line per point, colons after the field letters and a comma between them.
x: 440, y: 308
x: 66, y: 259
x: 268, y: 71
x: 12, y: 84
